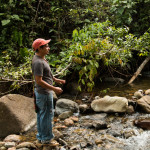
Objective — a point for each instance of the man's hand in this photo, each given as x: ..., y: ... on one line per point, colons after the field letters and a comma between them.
x: 57, y: 90
x: 59, y: 81
x: 62, y: 81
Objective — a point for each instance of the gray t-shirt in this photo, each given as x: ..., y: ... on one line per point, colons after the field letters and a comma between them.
x: 41, y: 68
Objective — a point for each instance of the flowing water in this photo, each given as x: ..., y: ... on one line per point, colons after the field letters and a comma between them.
x: 141, y: 141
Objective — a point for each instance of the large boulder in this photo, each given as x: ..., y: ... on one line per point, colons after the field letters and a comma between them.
x: 63, y: 105
x: 110, y: 104
x: 17, y: 114
x: 144, y: 103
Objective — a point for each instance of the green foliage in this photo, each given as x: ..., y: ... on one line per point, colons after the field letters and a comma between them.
x: 132, y: 13
x: 101, y: 44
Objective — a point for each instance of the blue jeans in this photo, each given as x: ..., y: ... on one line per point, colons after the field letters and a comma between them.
x: 45, y: 116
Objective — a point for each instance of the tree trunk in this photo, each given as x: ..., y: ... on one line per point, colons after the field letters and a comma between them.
x: 139, y: 70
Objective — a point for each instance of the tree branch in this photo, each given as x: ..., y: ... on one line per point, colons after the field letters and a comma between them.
x: 139, y: 70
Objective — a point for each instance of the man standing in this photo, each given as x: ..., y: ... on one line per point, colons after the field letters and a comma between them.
x: 43, y: 91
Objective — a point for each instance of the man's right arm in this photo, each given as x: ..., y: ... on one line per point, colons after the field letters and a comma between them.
x: 45, y: 85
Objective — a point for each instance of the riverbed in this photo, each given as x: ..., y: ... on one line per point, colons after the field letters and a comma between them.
x: 120, y: 133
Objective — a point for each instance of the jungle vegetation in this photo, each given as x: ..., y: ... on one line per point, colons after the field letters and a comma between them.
x: 90, y: 38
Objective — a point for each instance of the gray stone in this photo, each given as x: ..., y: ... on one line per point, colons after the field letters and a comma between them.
x: 65, y: 115
x: 17, y: 114
x: 63, y: 105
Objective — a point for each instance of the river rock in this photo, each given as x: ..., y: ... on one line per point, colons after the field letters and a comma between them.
x: 130, y: 109
x: 138, y: 94
x: 74, y: 118
x: 10, y: 144
x: 2, y: 144
x: 143, y: 123
x: 63, y: 105
x: 110, y: 104
x: 12, y: 138
x: 17, y: 114
x: 12, y: 148
x: 128, y: 133
x: 26, y: 145
x: 57, y: 134
x: 110, y: 138
x: 147, y: 92
x: 83, y: 108
x: 144, y: 103
x: 68, y: 122
x: 65, y: 115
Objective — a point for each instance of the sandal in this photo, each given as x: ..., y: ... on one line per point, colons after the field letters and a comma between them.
x: 50, y: 143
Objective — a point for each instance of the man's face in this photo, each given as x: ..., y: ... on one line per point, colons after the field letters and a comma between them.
x: 45, y: 49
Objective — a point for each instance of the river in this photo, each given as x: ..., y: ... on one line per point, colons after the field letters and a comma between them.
x: 121, y: 126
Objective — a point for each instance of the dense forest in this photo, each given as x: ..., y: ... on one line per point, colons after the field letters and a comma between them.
x: 89, y: 38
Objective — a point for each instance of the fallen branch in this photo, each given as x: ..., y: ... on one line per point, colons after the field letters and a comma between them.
x: 139, y: 70
x: 60, y: 73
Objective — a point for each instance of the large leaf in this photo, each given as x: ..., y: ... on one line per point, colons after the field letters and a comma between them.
x: 5, y: 22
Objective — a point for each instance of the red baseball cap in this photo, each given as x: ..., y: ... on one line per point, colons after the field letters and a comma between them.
x: 39, y: 42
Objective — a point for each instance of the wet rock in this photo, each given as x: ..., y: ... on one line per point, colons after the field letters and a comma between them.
x: 62, y: 142
x: 76, y: 147
x: 68, y: 122
x: 2, y: 144
x: 97, y: 97
x: 98, y: 141
x: 18, y: 111
x: 128, y: 133
x: 143, y: 123
x: 74, y: 118
x: 144, y: 103
x: 115, y: 130
x: 57, y: 134
x: 83, y: 144
x: 63, y: 105
x: 147, y: 92
x: 110, y: 104
x: 85, y: 98
x: 13, y: 138
x: 65, y: 115
x: 130, y: 109
x: 10, y: 144
x: 59, y: 126
x: 138, y: 94
x: 62, y: 148
x: 110, y: 138
x: 26, y: 145
x: 12, y: 148
x: 87, y: 124
x: 83, y: 108
x: 3, y: 148
x: 99, y: 125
